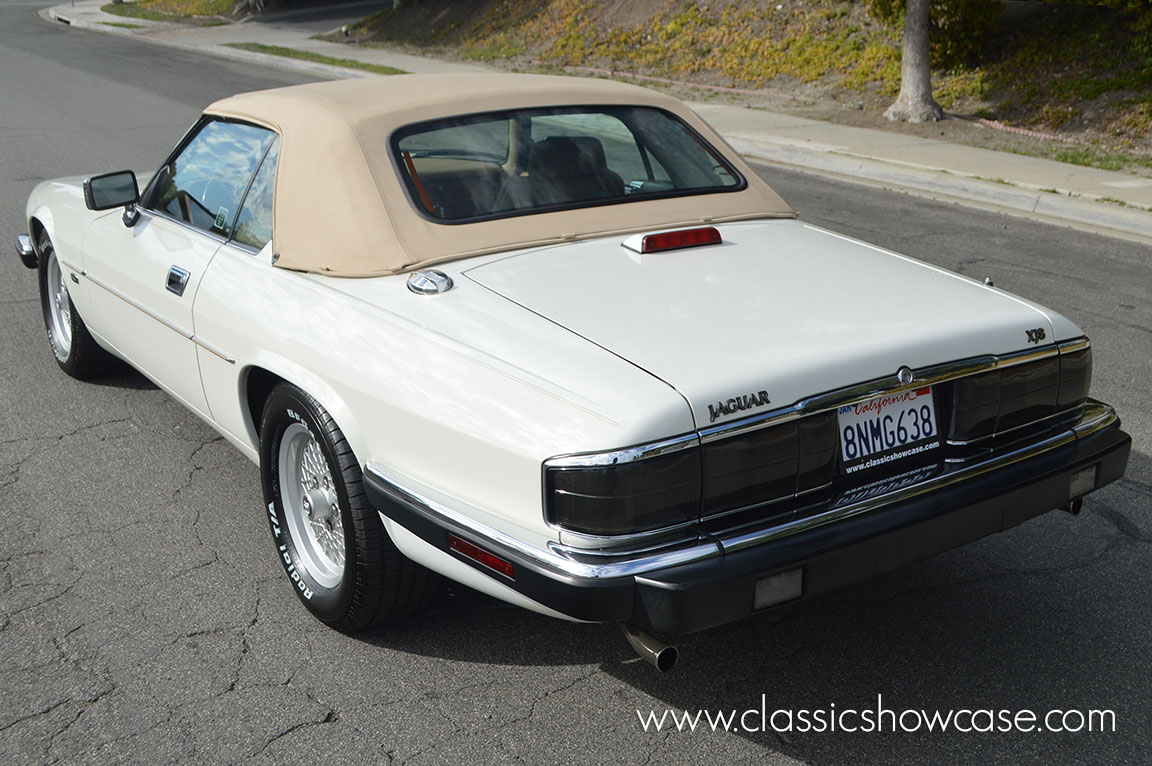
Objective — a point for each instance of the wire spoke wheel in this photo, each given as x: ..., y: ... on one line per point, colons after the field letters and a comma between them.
x: 311, y: 505
x: 329, y: 538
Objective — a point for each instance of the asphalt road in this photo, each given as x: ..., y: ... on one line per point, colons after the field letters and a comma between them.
x: 144, y: 619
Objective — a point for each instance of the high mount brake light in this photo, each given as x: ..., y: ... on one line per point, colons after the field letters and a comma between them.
x: 674, y: 240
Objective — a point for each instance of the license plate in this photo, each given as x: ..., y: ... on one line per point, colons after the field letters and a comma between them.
x: 887, y: 428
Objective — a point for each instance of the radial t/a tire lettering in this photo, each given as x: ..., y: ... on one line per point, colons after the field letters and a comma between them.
x: 330, y: 540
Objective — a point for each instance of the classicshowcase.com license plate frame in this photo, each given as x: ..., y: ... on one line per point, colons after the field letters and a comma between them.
x: 887, y: 428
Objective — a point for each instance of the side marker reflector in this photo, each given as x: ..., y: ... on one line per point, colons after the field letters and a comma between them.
x: 481, y: 556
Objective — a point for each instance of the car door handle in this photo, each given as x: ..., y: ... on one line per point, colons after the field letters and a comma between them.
x: 177, y: 280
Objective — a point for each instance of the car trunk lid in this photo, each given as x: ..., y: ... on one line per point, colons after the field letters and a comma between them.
x: 779, y: 311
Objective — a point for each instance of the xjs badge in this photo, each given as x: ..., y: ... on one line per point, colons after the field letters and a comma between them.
x: 736, y: 404
x: 1035, y: 336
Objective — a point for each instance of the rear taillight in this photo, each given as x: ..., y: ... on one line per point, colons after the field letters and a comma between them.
x: 624, y: 497
x: 1009, y: 397
x: 770, y: 463
x: 1075, y: 377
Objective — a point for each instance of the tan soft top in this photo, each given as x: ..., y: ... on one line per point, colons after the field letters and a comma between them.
x: 341, y: 206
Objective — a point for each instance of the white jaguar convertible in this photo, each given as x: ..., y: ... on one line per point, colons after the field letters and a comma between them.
x: 553, y: 339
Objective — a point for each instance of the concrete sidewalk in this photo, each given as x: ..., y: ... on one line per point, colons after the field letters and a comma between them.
x: 1055, y: 192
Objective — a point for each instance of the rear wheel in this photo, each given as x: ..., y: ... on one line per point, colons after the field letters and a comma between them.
x: 75, y: 349
x: 329, y: 539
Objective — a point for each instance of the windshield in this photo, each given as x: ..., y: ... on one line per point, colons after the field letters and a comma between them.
x: 518, y: 162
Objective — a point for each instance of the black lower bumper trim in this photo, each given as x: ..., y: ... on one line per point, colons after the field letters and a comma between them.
x: 592, y: 599
x: 700, y: 595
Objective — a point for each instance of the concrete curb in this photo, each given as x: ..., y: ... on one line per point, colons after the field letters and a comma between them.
x: 222, y: 51
x: 943, y: 184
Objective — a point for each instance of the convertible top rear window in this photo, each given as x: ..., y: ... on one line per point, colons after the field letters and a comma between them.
x: 510, y: 163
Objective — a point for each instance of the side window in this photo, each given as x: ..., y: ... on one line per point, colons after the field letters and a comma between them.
x: 254, y: 225
x: 203, y: 185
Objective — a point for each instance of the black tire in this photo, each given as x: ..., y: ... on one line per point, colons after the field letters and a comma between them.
x: 74, y: 348
x: 373, y: 583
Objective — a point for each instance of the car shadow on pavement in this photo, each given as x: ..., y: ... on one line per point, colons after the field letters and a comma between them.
x: 121, y: 375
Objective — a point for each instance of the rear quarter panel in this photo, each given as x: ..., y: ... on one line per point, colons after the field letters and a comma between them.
x: 464, y: 393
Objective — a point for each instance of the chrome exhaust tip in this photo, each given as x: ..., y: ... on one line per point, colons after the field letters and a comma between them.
x: 1074, y: 507
x: 655, y: 652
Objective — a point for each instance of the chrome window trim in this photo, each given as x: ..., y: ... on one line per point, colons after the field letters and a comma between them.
x: 243, y: 248
x: 184, y: 139
x: 244, y: 199
x: 189, y: 135
x: 153, y: 213
x: 593, y: 564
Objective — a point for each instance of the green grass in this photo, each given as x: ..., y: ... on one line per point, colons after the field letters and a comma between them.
x: 196, y: 11
x: 1113, y: 200
x: 1089, y: 158
x: 1093, y: 158
x: 137, y: 11
x: 122, y: 25
x: 1051, y: 191
x: 493, y: 51
x: 319, y: 58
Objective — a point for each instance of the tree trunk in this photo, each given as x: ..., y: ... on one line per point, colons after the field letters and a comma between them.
x: 915, y: 103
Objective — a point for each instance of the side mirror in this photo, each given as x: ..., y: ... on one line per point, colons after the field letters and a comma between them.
x: 110, y: 190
